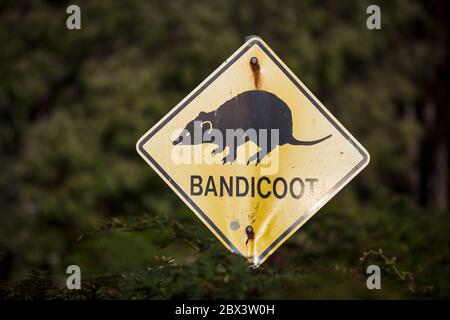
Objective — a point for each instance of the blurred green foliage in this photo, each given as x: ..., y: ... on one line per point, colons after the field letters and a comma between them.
x: 74, y: 190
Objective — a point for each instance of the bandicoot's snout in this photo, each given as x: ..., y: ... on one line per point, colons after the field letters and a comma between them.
x: 177, y: 141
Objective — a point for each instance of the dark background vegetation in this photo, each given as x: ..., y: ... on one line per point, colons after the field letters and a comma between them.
x: 74, y: 190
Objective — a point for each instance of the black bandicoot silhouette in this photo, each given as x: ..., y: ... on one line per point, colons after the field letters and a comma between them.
x: 255, y: 109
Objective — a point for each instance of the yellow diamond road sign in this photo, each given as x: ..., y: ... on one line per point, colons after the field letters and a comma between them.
x: 253, y: 152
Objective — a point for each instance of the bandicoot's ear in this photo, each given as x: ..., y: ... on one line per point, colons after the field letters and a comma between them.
x: 207, y: 123
x: 201, y: 114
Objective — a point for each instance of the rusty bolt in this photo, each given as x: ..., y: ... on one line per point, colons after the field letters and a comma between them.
x: 250, y: 233
x: 254, y: 64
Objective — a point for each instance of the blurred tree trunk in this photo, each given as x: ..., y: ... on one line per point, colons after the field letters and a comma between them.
x: 434, y: 158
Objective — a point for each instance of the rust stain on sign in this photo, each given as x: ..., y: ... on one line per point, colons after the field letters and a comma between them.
x: 254, y: 64
x: 250, y: 234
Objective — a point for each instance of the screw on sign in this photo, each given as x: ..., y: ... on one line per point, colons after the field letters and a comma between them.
x: 252, y: 152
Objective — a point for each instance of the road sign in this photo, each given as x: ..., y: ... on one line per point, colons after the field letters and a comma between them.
x: 253, y: 152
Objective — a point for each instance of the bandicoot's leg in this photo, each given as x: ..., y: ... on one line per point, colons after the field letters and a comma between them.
x: 266, y: 148
x: 217, y: 150
x: 253, y: 157
x: 232, y: 154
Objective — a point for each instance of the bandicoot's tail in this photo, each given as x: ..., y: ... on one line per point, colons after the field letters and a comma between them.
x: 307, y: 143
